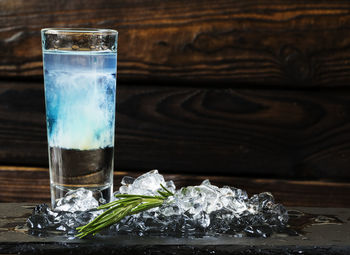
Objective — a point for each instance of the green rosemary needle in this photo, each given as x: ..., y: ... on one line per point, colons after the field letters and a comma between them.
x: 117, y: 210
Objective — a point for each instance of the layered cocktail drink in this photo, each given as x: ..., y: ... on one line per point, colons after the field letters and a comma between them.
x: 80, y: 95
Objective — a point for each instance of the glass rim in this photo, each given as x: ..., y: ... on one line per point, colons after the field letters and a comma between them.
x: 79, y: 30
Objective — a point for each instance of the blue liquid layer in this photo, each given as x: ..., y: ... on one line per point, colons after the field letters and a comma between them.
x: 80, y: 93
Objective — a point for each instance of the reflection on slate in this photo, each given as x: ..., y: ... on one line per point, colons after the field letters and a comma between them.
x: 323, y: 232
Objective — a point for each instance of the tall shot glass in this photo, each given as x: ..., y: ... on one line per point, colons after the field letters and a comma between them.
x: 80, y: 95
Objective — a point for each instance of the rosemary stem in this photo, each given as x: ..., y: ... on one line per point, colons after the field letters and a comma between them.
x: 126, y: 205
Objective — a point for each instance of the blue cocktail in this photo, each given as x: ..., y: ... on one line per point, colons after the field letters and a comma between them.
x: 80, y: 93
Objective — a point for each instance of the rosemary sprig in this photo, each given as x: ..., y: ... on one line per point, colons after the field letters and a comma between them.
x: 117, y: 210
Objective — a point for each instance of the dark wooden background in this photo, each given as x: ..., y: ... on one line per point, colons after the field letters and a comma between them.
x: 251, y: 89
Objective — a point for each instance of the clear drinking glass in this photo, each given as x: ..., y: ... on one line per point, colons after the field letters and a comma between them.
x: 80, y: 95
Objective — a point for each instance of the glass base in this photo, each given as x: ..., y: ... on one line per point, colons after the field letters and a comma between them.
x: 58, y: 191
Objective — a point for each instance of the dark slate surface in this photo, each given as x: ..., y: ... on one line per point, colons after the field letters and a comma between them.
x: 325, y: 231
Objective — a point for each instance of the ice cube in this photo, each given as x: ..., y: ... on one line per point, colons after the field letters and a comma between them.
x: 170, y: 186
x: 77, y: 200
x: 146, y: 184
x: 127, y: 180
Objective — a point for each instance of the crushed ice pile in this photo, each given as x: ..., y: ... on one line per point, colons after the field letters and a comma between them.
x: 192, y: 211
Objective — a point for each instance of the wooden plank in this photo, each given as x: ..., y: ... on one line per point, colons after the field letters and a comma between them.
x: 31, y: 184
x: 294, y: 43
x: 262, y: 133
x: 324, y: 232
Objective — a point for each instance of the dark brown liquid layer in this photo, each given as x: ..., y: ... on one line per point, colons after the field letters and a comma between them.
x: 81, y: 167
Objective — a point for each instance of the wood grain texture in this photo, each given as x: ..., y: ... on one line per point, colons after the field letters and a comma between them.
x: 264, y: 133
x: 23, y: 184
x: 278, y: 42
x: 261, y: 133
